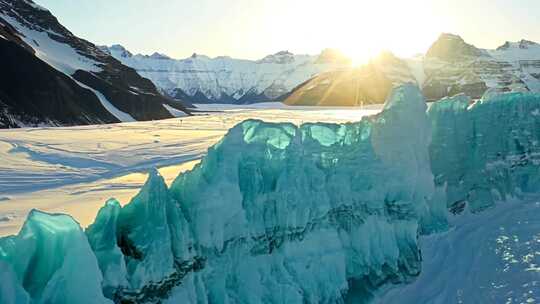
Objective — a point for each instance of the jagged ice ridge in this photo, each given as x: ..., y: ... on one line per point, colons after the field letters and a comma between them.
x: 321, y: 213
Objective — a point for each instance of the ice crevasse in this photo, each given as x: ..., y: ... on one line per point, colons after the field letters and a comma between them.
x: 275, y: 213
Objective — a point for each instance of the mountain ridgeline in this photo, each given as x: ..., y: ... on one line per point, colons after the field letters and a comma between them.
x: 201, y: 79
x: 451, y: 66
x: 51, y: 77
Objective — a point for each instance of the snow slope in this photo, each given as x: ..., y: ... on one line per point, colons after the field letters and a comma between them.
x: 489, y: 257
x: 61, y: 56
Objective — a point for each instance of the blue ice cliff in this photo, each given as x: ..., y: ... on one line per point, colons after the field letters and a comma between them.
x: 49, y: 261
x: 488, y: 151
x: 275, y: 213
x: 320, y: 214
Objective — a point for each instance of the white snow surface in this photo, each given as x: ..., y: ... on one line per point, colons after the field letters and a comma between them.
x: 75, y: 169
x: 489, y: 257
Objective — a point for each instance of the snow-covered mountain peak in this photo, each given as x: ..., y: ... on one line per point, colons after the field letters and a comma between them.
x: 35, y: 5
x: 224, y: 79
x: 117, y: 50
x: 451, y: 47
x: 199, y: 57
x: 281, y: 57
x: 450, y: 36
x: 333, y: 56
x: 522, y: 44
x: 159, y: 56
x: 523, y: 53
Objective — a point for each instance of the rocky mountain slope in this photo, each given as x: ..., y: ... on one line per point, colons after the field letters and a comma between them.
x: 51, y: 77
x: 451, y: 66
x: 200, y: 79
x: 354, y: 87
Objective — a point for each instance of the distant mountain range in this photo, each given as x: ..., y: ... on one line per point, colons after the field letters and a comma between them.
x: 451, y: 66
x: 50, y: 77
x: 200, y: 79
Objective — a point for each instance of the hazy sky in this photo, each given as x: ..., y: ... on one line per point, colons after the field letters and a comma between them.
x: 254, y: 28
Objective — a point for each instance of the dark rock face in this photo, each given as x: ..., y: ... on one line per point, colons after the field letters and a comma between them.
x: 139, y: 105
x: 42, y: 86
x: 33, y: 93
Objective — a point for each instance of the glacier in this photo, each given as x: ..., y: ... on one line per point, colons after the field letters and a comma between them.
x: 487, y: 151
x: 279, y: 213
x: 318, y: 214
x: 50, y: 261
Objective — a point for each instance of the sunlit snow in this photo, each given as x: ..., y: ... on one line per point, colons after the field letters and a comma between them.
x: 62, y: 169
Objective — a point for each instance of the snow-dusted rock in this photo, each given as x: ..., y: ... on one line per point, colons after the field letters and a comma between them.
x: 49, y: 76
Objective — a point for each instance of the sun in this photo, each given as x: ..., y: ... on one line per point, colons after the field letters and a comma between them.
x: 360, y: 54
x: 362, y: 29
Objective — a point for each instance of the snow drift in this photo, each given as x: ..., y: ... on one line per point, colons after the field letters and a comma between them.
x: 321, y: 213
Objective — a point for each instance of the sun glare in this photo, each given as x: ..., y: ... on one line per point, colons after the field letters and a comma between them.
x: 362, y: 29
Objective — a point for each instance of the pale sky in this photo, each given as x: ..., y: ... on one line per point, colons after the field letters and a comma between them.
x: 252, y: 29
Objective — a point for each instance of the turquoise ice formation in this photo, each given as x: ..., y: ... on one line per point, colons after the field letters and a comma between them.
x: 486, y: 151
x: 275, y: 213
x: 50, y: 261
x: 316, y: 213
